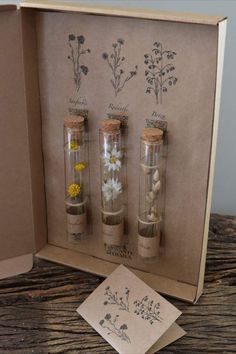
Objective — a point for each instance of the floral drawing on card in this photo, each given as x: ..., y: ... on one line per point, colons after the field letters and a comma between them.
x: 112, y: 298
x: 148, y: 309
x: 115, y: 61
x: 111, y: 325
x: 159, y: 71
x: 77, y: 51
x: 128, y: 313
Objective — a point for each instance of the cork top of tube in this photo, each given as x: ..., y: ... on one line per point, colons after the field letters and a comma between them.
x: 152, y: 135
x: 110, y: 125
x: 74, y: 121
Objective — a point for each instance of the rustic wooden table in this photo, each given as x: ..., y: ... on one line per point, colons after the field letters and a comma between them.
x: 37, y: 310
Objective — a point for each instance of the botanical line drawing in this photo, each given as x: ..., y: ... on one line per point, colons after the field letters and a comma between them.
x: 159, y: 71
x: 112, y: 298
x: 112, y: 326
x: 76, y: 51
x: 115, y: 61
x: 148, y: 310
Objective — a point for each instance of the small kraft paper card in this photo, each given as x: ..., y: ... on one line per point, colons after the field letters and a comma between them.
x: 130, y: 315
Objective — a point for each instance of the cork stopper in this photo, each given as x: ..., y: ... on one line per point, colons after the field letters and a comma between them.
x: 110, y: 125
x: 74, y: 122
x: 152, y: 135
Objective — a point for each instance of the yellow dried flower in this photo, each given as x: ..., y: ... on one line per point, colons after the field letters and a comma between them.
x: 80, y: 166
x: 73, y: 190
x: 73, y: 145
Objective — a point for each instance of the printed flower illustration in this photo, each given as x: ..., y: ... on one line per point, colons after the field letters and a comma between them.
x: 105, y: 56
x: 111, y: 189
x: 71, y: 37
x: 81, y: 39
x: 84, y: 69
x: 120, y: 41
x: 76, y: 52
x: 111, y: 325
x: 73, y: 190
x: 107, y: 317
x: 73, y: 145
x: 148, y: 310
x: 115, y: 62
x: 158, y: 73
x: 112, y: 298
x: 113, y: 160
x: 80, y: 166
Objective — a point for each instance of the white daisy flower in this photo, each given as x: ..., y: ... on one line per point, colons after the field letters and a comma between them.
x: 112, y: 160
x: 111, y: 189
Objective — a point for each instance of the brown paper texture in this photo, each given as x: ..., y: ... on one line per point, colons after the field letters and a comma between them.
x: 127, y: 313
x: 187, y: 106
x: 113, y: 234
x: 148, y: 246
x: 76, y: 223
x: 16, y: 214
x: 171, y: 335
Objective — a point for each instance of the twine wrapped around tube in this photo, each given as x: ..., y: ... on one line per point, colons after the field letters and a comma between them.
x: 149, y: 167
x: 113, y: 213
x: 149, y: 222
x: 77, y: 204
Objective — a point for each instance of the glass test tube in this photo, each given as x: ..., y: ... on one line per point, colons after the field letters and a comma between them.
x: 76, y: 177
x: 150, y: 193
x: 112, y: 182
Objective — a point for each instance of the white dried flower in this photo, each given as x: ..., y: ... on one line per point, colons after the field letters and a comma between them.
x: 156, y: 176
x: 156, y: 187
x: 111, y: 189
x: 112, y: 160
x: 150, y: 196
x: 153, y: 209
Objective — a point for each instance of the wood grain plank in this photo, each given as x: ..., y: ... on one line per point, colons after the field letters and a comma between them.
x: 37, y: 309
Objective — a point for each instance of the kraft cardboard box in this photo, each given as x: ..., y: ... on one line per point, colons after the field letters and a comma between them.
x: 37, y: 91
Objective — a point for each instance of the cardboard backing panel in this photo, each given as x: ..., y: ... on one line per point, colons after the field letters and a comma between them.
x: 188, y: 108
x: 15, y: 193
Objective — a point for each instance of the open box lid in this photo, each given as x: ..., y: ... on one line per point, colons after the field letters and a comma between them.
x: 16, y: 205
x: 19, y: 219
x: 123, y: 12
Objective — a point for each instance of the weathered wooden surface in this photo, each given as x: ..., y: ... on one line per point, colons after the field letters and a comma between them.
x: 37, y: 310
